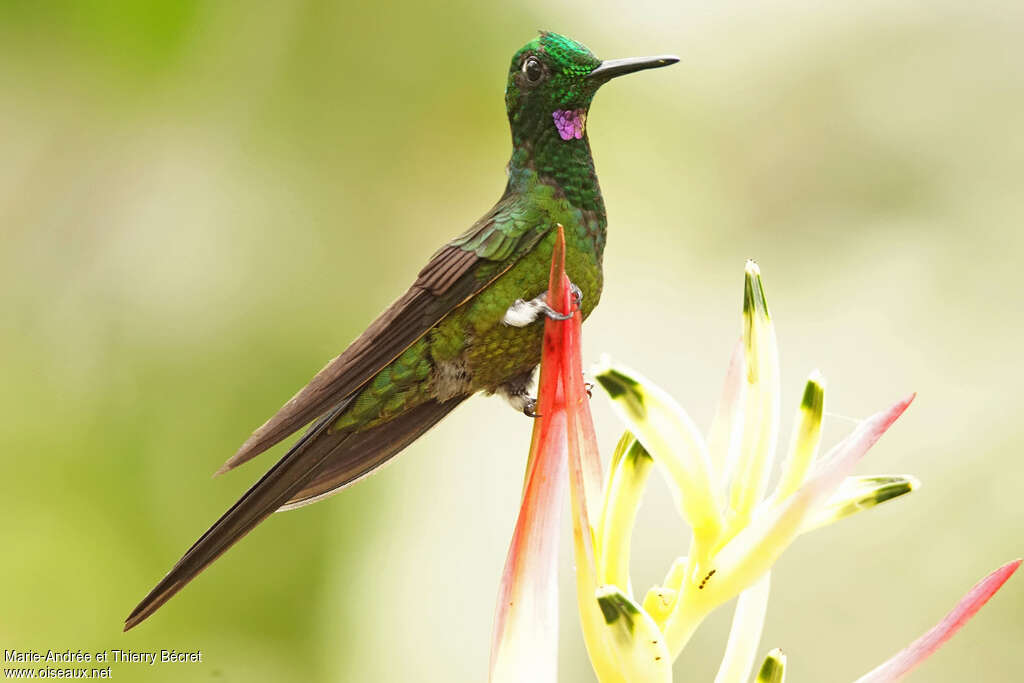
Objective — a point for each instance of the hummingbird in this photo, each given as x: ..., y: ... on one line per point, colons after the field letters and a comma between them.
x: 453, y: 333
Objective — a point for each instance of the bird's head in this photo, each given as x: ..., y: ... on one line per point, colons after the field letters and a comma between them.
x: 552, y: 81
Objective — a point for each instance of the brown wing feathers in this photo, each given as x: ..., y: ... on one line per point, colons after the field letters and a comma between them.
x: 365, y: 451
x: 444, y: 283
x: 322, y: 460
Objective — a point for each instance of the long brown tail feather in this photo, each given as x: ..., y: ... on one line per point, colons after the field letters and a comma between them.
x: 319, y: 463
x: 279, y: 484
x: 365, y: 451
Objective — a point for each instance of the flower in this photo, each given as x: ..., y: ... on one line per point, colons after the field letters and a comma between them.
x: 720, y: 485
x: 737, y: 533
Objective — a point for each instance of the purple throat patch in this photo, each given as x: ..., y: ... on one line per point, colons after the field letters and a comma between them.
x: 570, y: 122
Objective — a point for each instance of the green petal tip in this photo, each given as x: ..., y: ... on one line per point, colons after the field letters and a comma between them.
x: 774, y: 668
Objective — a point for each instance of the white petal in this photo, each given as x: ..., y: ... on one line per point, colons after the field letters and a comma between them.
x: 761, y: 405
x: 745, y: 634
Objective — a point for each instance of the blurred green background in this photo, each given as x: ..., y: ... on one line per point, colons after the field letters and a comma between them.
x: 202, y: 202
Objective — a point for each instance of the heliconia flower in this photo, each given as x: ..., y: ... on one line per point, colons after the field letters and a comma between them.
x: 720, y: 488
x: 738, y: 533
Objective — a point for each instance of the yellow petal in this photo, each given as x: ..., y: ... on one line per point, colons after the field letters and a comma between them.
x: 754, y: 550
x: 625, y: 488
x: 761, y: 404
x: 803, y: 444
x: 658, y: 603
x: 634, y: 639
x: 676, y: 573
x: 670, y: 436
x: 859, y: 493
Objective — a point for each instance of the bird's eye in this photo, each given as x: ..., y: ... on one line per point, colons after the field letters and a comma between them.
x: 533, y: 69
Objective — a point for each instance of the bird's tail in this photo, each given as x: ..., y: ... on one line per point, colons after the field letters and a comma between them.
x: 367, y: 450
x: 320, y: 463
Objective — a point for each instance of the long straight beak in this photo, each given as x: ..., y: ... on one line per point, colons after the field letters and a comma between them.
x: 611, y: 68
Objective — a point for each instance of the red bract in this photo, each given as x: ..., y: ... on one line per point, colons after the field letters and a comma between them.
x: 525, y: 643
x: 924, y: 647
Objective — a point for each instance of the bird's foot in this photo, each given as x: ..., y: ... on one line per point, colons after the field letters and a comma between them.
x: 577, y: 295
x: 520, y: 399
x: 530, y: 407
x: 522, y: 312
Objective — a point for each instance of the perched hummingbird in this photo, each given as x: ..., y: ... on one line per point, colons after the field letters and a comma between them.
x: 448, y: 337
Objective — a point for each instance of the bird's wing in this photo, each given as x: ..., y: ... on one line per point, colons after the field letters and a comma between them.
x: 323, y: 460
x: 454, y: 274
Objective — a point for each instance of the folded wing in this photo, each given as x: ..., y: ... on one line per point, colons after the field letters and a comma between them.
x: 456, y: 272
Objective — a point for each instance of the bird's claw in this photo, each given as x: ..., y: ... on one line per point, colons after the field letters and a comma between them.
x: 589, y: 388
x: 577, y: 295
x: 555, y: 315
x: 522, y: 312
x: 530, y: 409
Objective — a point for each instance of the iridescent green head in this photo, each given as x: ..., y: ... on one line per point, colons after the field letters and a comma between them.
x: 552, y: 81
